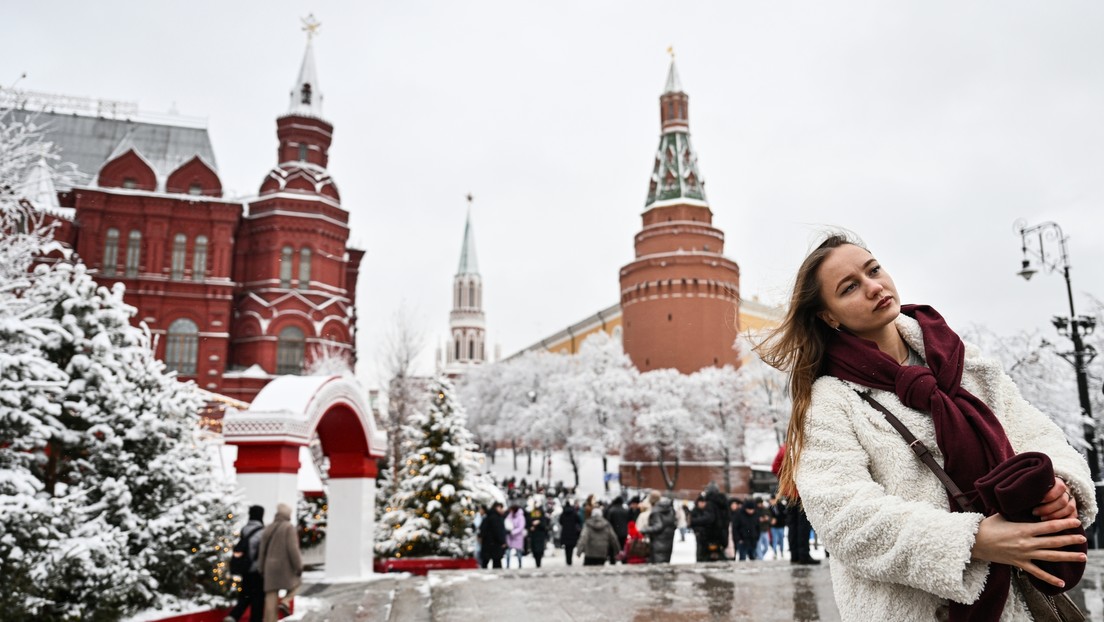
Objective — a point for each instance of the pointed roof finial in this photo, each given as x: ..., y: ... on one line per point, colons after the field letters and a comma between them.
x: 306, y: 98
x: 468, y: 262
x: 674, y: 85
x: 310, y: 26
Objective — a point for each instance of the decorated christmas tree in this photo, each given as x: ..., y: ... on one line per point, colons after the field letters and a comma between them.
x: 432, y: 510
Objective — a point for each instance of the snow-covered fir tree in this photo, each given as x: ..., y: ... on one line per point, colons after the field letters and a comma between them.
x: 108, y: 501
x: 432, y: 511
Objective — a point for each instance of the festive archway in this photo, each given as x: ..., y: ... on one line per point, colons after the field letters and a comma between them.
x: 285, y: 416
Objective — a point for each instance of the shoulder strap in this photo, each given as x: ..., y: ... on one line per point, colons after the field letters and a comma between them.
x: 921, y: 450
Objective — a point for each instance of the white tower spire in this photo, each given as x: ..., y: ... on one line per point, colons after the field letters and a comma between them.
x: 306, y: 97
x: 467, y: 322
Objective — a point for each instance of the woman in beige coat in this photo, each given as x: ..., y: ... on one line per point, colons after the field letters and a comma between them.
x: 280, y: 563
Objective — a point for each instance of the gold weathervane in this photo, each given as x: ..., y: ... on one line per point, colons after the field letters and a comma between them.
x: 310, y: 26
x: 671, y: 51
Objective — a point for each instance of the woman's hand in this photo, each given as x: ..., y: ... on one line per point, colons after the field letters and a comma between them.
x: 1017, y: 544
x: 1057, y: 503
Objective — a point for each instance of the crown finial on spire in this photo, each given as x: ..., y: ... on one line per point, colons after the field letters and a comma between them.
x: 310, y: 26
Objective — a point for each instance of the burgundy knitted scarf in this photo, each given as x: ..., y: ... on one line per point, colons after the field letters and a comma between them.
x: 967, y: 432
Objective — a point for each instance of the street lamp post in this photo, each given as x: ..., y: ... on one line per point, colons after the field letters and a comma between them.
x: 1075, y: 327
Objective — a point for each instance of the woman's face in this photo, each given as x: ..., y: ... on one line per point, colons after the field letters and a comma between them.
x: 856, y: 292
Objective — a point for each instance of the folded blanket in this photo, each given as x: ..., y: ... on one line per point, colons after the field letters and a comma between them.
x: 1013, y: 489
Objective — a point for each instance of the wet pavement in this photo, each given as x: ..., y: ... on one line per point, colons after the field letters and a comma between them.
x: 766, y: 591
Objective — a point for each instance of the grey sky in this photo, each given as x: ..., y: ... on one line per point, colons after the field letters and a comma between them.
x: 926, y: 127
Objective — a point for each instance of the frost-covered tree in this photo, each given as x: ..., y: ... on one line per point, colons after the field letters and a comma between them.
x: 663, y: 426
x: 720, y: 402
x: 432, y: 511
x: 606, y: 384
x: 108, y: 501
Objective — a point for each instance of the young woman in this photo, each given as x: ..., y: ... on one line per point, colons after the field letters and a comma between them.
x: 900, y: 549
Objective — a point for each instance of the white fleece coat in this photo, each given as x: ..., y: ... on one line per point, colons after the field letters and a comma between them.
x: 897, y: 551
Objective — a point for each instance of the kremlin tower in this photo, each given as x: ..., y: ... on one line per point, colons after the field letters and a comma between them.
x: 467, y: 323
x: 680, y: 296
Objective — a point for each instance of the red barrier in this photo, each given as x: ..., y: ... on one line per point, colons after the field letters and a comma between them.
x: 422, y: 565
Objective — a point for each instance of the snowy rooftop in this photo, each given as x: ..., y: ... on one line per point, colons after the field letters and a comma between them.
x: 88, y: 142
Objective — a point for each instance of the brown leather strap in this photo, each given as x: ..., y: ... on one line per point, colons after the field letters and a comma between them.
x: 921, y: 450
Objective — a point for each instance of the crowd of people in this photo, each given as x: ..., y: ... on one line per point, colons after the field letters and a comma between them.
x: 641, y: 530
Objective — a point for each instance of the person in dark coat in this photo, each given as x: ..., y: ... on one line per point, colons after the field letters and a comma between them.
x: 778, y: 526
x: 539, y: 529
x: 703, y: 520
x: 570, y: 526
x: 618, y: 517
x: 251, y: 595
x: 745, y: 529
x: 492, y: 537
x: 634, y: 508
x: 796, y: 521
x: 661, y: 531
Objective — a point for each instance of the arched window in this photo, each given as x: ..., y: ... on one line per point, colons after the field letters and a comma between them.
x: 179, y: 254
x: 134, y: 253
x: 471, y: 349
x: 181, y: 347
x: 199, y: 258
x: 471, y: 294
x: 306, y: 94
x: 302, y: 152
x: 290, y: 346
x: 111, y: 252
x: 457, y: 348
x: 304, y: 267
x: 285, y: 267
x: 482, y: 353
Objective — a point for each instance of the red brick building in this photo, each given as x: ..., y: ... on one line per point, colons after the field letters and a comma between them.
x: 235, y: 291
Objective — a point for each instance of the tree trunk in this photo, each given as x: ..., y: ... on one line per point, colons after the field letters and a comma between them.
x: 544, y: 463
x: 605, y: 471
x: 513, y: 445
x: 669, y: 479
x: 529, y: 461
x: 727, y: 470
x: 574, y: 466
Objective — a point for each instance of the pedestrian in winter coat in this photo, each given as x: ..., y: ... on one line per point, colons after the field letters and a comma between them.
x: 661, y: 531
x: 570, y: 526
x: 515, y: 534
x: 252, y: 592
x: 777, y: 526
x: 709, y: 533
x: 763, y: 512
x: 492, y: 537
x: 539, y: 530
x: 745, y: 529
x: 901, y: 549
x: 598, y: 542
x: 618, y: 517
x: 280, y: 563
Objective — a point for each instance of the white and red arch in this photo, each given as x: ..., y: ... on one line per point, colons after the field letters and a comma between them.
x: 285, y: 415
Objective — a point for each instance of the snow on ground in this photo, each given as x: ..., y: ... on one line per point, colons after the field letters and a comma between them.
x: 306, y: 604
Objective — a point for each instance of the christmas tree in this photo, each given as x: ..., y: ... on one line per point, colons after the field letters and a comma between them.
x: 432, y: 510
x: 108, y: 497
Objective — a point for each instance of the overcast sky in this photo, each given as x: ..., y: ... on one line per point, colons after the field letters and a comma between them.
x: 926, y: 127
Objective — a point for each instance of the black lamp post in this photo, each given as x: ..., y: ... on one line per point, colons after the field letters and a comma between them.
x: 1075, y: 327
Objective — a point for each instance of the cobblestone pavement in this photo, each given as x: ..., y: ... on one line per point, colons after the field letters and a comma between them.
x: 766, y: 591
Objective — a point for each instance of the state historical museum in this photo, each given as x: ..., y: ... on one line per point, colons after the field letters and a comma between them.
x: 235, y: 292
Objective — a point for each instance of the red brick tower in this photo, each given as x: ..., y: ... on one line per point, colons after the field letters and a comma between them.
x: 680, y: 296
x: 297, y: 278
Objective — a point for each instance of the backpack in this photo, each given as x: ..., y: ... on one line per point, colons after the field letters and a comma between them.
x: 242, y: 559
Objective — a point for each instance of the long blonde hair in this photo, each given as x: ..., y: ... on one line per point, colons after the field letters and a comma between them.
x: 798, y: 346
